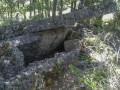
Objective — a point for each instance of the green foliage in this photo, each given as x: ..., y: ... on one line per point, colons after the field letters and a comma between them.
x: 95, y: 2
x: 84, y: 57
x: 115, y: 23
x: 73, y: 69
x: 51, y: 76
x: 97, y: 22
x: 90, y: 79
x: 42, y: 8
x: 91, y: 2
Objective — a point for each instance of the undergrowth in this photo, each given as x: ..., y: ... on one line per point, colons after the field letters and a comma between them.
x: 102, y: 56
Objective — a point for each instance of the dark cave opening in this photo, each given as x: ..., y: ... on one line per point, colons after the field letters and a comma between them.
x: 31, y: 53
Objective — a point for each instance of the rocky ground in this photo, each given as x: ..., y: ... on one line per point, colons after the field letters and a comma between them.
x: 81, y: 65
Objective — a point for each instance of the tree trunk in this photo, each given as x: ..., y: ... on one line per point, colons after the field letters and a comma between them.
x: 30, y: 9
x: 42, y: 9
x: 24, y: 12
x: 81, y: 4
x: 34, y: 6
x: 73, y: 6
x: 61, y: 7
x: 17, y: 4
x: 49, y: 7
x: 11, y: 11
x: 54, y: 8
x: 38, y: 6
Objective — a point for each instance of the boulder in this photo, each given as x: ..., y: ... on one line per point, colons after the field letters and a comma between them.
x: 11, y: 60
x: 40, y: 45
x: 40, y: 75
x: 71, y: 45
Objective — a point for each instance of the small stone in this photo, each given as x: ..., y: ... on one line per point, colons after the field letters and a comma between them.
x: 1, y: 78
x: 71, y: 45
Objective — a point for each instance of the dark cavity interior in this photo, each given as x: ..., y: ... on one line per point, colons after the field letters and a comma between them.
x: 33, y: 53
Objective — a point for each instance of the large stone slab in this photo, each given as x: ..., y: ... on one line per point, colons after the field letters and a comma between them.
x: 56, y: 22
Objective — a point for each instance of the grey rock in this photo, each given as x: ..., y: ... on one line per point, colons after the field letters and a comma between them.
x: 1, y: 77
x: 72, y: 45
x: 39, y: 45
x: 43, y: 44
x: 33, y: 76
x: 55, y: 22
x: 11, y: 60
x: 36, y: 39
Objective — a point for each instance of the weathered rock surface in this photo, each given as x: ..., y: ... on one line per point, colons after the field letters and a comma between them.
x: 39, y: 45
x: 44, y: 46
x: 34, y: 76
x: 72, y: 45
x: 37, y: 39
x: 56, y: 22
x: 11, y: 60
